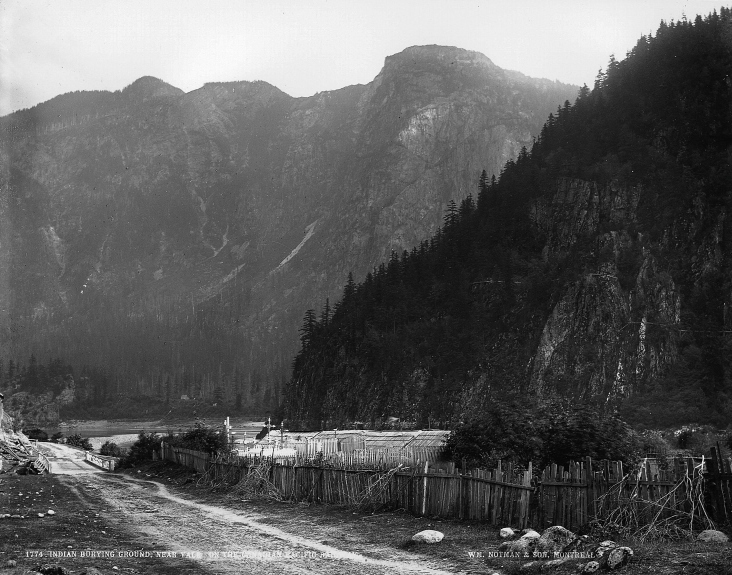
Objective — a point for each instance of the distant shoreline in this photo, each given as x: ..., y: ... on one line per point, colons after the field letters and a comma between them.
x: 102, y: 423
x: 147, y: 424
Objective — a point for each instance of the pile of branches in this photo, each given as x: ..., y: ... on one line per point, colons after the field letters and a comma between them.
x: 372, y: 498
x: 255, y: 483
x: 222, y: 472
x: 675, y: 515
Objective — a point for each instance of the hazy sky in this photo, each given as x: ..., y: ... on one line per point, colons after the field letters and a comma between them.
x: 50, y: 47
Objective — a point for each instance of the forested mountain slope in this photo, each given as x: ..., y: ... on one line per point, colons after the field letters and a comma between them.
x: 596, y: 267
x: 164, y: 243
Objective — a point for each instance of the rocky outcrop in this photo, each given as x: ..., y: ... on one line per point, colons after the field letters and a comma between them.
x: 40, y: 409
x: 615, y: 328
x: 578, y: 209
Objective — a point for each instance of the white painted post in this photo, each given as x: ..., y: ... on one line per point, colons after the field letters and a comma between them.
x: 424, y: 487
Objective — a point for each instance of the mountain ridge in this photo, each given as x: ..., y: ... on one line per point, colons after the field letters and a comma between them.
x: 157, y: 216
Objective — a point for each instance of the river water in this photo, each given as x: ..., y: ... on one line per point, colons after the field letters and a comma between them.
x: 124, y: 433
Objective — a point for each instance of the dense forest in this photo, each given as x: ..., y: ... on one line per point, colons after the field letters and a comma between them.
x: 44, y: 393
x: 438, y: 333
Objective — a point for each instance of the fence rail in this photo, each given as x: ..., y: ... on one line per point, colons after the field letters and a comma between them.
x: 569, y: 495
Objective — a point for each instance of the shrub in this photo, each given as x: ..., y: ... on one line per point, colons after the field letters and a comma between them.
x: 78, y: 441
x: 571, y: 432
x: 142, y: 449
x: 56, y: 437
x: 549, y: 432
x: 505, y: 431
x: 201, y: 438
x: 36, y: 433
x: 112, y: 449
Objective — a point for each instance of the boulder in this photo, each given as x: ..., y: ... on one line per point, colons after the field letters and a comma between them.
x: 583, y: 544
x: 555, y: 539
x: 524, y: 544
x: 712, y: 536
x: 507, y: 533
x: 618, y: 557
x: 604, y: 548
x: 429, y: 536
x: 590, y: 567
x: 51, y: 512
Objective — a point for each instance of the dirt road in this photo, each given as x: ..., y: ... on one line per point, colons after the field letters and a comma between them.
x: 223, y: 540
x: 227, y: 536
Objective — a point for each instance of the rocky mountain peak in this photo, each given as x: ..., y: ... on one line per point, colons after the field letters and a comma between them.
x: 434, y: 54
x: 149, y: 87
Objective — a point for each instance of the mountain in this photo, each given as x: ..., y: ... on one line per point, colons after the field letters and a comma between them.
x: 167, y: 243
x: 596, y: 268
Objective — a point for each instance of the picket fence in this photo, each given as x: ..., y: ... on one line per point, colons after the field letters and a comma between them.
x: 571, y: 495
x: 310, y: 448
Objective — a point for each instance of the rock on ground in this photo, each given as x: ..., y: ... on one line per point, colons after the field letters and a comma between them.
x: 524, y: 544
x: 555, y: 539
x: 591, y: 567
x: 618, y: 557
x: 428, y: 536
x: 713, y: 536
x: 604, y: 548
x: 51, y: 570
x: 506, y: 532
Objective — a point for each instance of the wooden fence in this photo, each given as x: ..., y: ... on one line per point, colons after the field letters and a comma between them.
x: 429, y: 489
x: 310, y: 448
x: 719, y: 486
x: 187, y: 457
x: 574, y: 495
x: 569, y: 495
x: 370, y: 458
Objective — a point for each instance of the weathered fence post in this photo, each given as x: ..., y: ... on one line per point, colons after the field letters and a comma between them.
x: 424, y: 488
